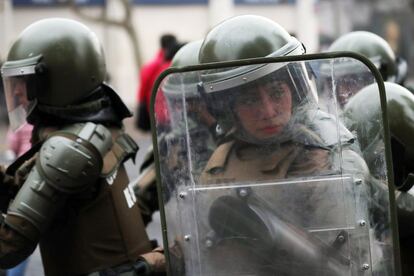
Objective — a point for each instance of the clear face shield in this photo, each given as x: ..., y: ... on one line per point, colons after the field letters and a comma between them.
x: 17, y: 82
x: 263, y: 107
x: 286, y: 190
x: 172, y: 88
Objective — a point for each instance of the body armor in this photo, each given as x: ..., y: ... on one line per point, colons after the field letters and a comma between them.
x: 85, y: 211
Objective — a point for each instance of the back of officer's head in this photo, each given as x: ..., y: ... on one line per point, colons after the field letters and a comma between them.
x: 69, y: 65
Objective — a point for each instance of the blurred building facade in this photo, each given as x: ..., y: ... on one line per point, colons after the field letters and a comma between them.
x: 187, y: 19
x: 391, y: 19
x: 315, y: 22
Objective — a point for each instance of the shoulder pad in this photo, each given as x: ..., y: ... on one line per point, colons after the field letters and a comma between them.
x: 124, y: 148
x: 96, y: 134
x: 73, y: 157
x: 330, y: 130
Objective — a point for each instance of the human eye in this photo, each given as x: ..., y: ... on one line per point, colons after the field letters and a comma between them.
x: 274, y: 86
x: 276, y: 94
x: 247, y: 100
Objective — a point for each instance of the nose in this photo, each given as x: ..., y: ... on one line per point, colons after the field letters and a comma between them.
x: 268, y: 108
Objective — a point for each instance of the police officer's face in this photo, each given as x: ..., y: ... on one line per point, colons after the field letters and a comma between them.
x: 16, y: 93
x: 346, y: 89
x: 20, y: 92
x: 265, y: 112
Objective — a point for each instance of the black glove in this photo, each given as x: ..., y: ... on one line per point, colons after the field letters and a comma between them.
x: 142, y: 268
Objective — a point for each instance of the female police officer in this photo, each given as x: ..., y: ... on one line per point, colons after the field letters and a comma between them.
x: 266, y: 104
x: 270, y: 111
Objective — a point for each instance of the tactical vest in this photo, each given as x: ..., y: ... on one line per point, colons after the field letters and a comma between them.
x: 100, y: 227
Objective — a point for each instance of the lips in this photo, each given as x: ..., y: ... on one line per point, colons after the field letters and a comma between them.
x: 271, y: 129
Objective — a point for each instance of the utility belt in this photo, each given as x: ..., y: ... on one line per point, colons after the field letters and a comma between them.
x: 139, y: 268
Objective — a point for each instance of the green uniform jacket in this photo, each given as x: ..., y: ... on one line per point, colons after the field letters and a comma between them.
x: 98, y: 228
x: 238, y: 162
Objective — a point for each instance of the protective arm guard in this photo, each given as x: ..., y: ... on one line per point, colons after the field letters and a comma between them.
x: 68, y: 162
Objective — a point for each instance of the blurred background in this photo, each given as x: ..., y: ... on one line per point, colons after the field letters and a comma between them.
x: 130, y: 29
x: 130, y: 32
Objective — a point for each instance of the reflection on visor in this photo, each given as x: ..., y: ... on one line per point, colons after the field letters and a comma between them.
x: 15, y: 90
x: 17, y: 117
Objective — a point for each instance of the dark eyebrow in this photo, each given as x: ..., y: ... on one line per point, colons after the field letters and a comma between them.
x: 247, y: 97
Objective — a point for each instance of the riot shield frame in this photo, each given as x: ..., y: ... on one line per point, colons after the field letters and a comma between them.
x: 255, y: 61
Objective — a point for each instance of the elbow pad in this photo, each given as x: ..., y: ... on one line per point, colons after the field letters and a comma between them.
x: 68, y: 162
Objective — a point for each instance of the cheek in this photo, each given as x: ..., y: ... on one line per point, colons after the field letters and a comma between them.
x: 241, y: 113
x: 286, y: 105
x: 245, y: 116
x: 249, y: 111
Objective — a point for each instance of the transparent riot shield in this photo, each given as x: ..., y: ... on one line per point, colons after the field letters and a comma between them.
x: 259, y: 175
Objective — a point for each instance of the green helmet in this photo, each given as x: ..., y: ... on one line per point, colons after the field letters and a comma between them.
x: 179, y: 85
x: 248, y: 36
x: 376, y: 49
x: 60, y: 60
x: 363, y: 115
x: 187, y: 82
x: 244, y: 37
x: 187, y: 55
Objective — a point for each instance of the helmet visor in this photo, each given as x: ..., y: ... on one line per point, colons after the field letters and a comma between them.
x: 15, y: 91
x: 21, y: 81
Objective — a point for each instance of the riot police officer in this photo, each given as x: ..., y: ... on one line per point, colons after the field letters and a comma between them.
x: 271, y: 199
x: 268, y: 107
x: 361, y: 114
x: 204, y: 128
x: 172, y: 138
x: 264, y: 109
x: 70, y: 191
x: 392, y: 68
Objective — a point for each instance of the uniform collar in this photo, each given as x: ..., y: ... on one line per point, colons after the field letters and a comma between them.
x: 269, y: 156
x: 219, y: 158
